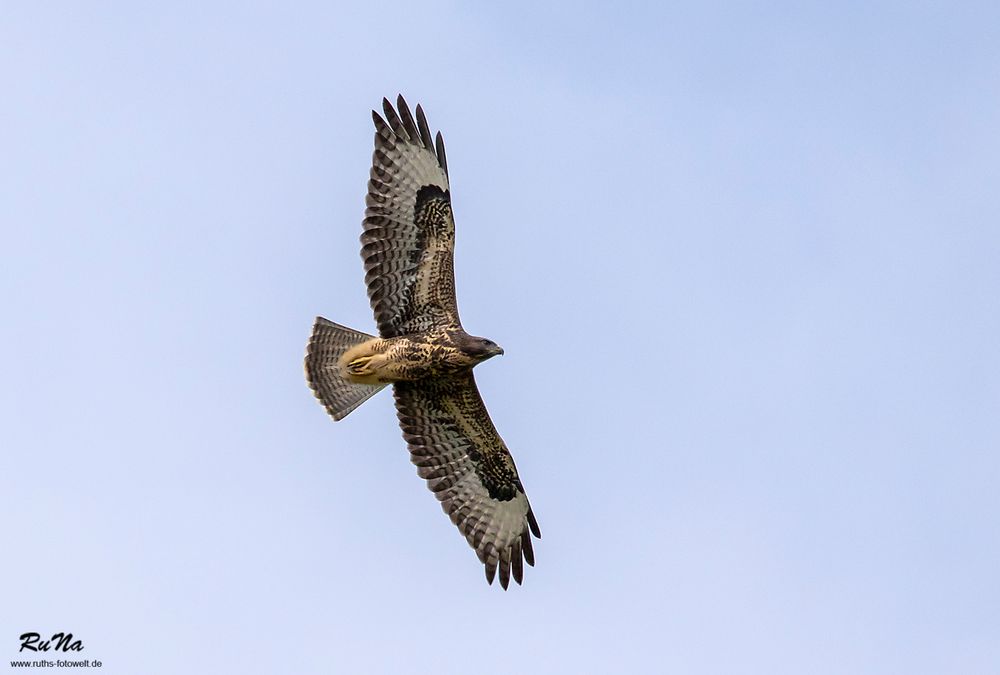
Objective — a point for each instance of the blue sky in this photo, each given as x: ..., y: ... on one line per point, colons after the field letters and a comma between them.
x: 742, y: 257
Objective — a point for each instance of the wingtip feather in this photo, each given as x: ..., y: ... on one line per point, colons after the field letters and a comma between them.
x: 393, y: 119
x: 533, y: 524
x: 442, y: 158
x: 407, y: 119
x: 425, y: 130
x: 526, y: 549
x: 505, y: 568
x: 517, y: 562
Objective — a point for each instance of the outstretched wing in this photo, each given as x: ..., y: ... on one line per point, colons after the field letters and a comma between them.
x: 457, y: 449
x: 408, y: 242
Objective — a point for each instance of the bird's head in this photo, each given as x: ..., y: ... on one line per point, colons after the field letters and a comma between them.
x: 481, y: 348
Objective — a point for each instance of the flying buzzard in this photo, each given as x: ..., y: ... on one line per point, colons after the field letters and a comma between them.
x: 408, y: 249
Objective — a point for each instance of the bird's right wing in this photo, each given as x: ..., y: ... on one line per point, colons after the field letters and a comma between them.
x: 409, y: 233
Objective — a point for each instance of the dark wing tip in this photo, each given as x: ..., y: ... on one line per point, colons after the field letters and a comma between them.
x: 407, y: 118
x: 387, y: 112
x: 517, y: 562
x: 425, y: 130
x: 410, y: 129
x: 393, y: 119
x: 526, y: 549
x: 442, y: 159
x: 383, y: 133
x: 533, y: 524
x: 505, y: 569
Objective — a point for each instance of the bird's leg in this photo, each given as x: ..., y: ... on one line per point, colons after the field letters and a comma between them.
x: 359, y: 366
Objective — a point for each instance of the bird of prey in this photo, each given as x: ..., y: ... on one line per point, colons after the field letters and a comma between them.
x: 408, y: 246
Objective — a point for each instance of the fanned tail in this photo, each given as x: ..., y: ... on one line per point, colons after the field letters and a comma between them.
x: 328, y: 343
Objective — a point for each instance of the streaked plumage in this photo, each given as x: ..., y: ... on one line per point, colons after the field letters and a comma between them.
x: 408, y: 248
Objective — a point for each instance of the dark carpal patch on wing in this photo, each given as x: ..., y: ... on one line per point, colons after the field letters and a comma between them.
x: 432, y: 214
x: 430, y: 306
x: 496, y: 474
x: 497, y: 480
x: 491, y: 462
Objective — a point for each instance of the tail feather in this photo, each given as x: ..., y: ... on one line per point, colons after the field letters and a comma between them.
x: 328, y: 343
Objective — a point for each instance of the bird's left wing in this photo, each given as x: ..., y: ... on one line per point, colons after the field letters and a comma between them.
x: 466, y: 464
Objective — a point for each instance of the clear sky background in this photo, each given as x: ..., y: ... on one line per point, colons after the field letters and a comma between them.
x: 744, y: 259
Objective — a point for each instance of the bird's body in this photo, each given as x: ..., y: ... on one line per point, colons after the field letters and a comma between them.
x: 410, y: 358
x: 408, y: 248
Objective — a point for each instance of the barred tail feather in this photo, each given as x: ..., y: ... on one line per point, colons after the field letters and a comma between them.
x: 328, y: 343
